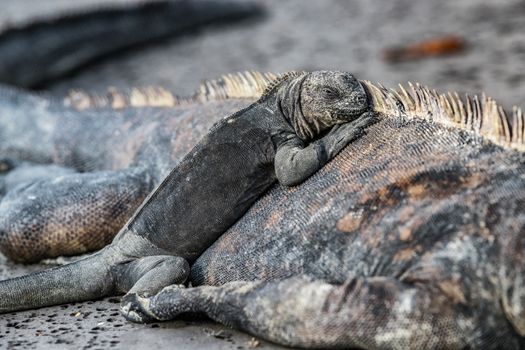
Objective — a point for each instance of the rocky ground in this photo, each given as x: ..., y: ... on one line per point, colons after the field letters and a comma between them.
x: 296, y: 34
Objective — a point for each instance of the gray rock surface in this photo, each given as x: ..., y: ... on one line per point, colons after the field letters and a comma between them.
x: 332, y: 34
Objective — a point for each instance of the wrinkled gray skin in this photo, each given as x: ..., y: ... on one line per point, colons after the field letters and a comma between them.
x: 287, y: 135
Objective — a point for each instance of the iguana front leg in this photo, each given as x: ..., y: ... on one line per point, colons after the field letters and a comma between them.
x: 294, y: 163
x: 370, y: 313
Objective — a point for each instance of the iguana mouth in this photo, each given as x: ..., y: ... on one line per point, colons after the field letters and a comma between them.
x: 361, y: 100
x: 350, y: 114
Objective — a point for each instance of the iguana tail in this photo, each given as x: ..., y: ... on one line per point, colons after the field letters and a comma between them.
x: 85, y: 279
x: 49, y: 48
x: 107, y: 272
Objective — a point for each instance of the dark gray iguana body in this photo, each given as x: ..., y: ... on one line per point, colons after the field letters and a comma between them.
x: 277, y: 137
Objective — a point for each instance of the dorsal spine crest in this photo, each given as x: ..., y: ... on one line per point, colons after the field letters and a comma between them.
x: 245, y: 85
x: 480, y: 115
x: 272, y: 86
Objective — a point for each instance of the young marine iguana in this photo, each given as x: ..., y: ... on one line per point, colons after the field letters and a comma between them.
x: 301, y: 121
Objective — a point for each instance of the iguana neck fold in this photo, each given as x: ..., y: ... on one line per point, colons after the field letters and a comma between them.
x: 289, y: 103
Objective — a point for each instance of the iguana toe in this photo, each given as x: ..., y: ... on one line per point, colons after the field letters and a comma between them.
x: 166, y: 305
x: 134, y: 308
x: 169, y: 303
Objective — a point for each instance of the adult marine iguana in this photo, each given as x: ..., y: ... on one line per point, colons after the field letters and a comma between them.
x: 412, y: 237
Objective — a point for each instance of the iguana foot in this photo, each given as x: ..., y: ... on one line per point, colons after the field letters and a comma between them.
x: 136, y: 308
x: 146, y: 277
x: 343, y: 134
x: 175, y: 300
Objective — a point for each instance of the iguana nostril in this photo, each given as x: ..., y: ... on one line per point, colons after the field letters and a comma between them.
x: 361, y: 100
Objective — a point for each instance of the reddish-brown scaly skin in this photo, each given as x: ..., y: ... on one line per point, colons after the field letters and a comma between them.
x: 412, y: 237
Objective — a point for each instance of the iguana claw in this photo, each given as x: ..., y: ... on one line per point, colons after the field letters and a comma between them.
x: 165, y: 305
x: 133, y: 308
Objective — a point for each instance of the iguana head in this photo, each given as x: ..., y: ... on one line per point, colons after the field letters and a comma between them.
x: 314, y: 102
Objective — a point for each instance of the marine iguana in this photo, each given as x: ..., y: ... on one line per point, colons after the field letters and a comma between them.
x: 38, y: 50
x: 412, y: 237
x: 299, y: 123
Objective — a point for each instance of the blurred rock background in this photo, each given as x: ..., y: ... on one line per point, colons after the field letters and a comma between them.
x: 331, y: 34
